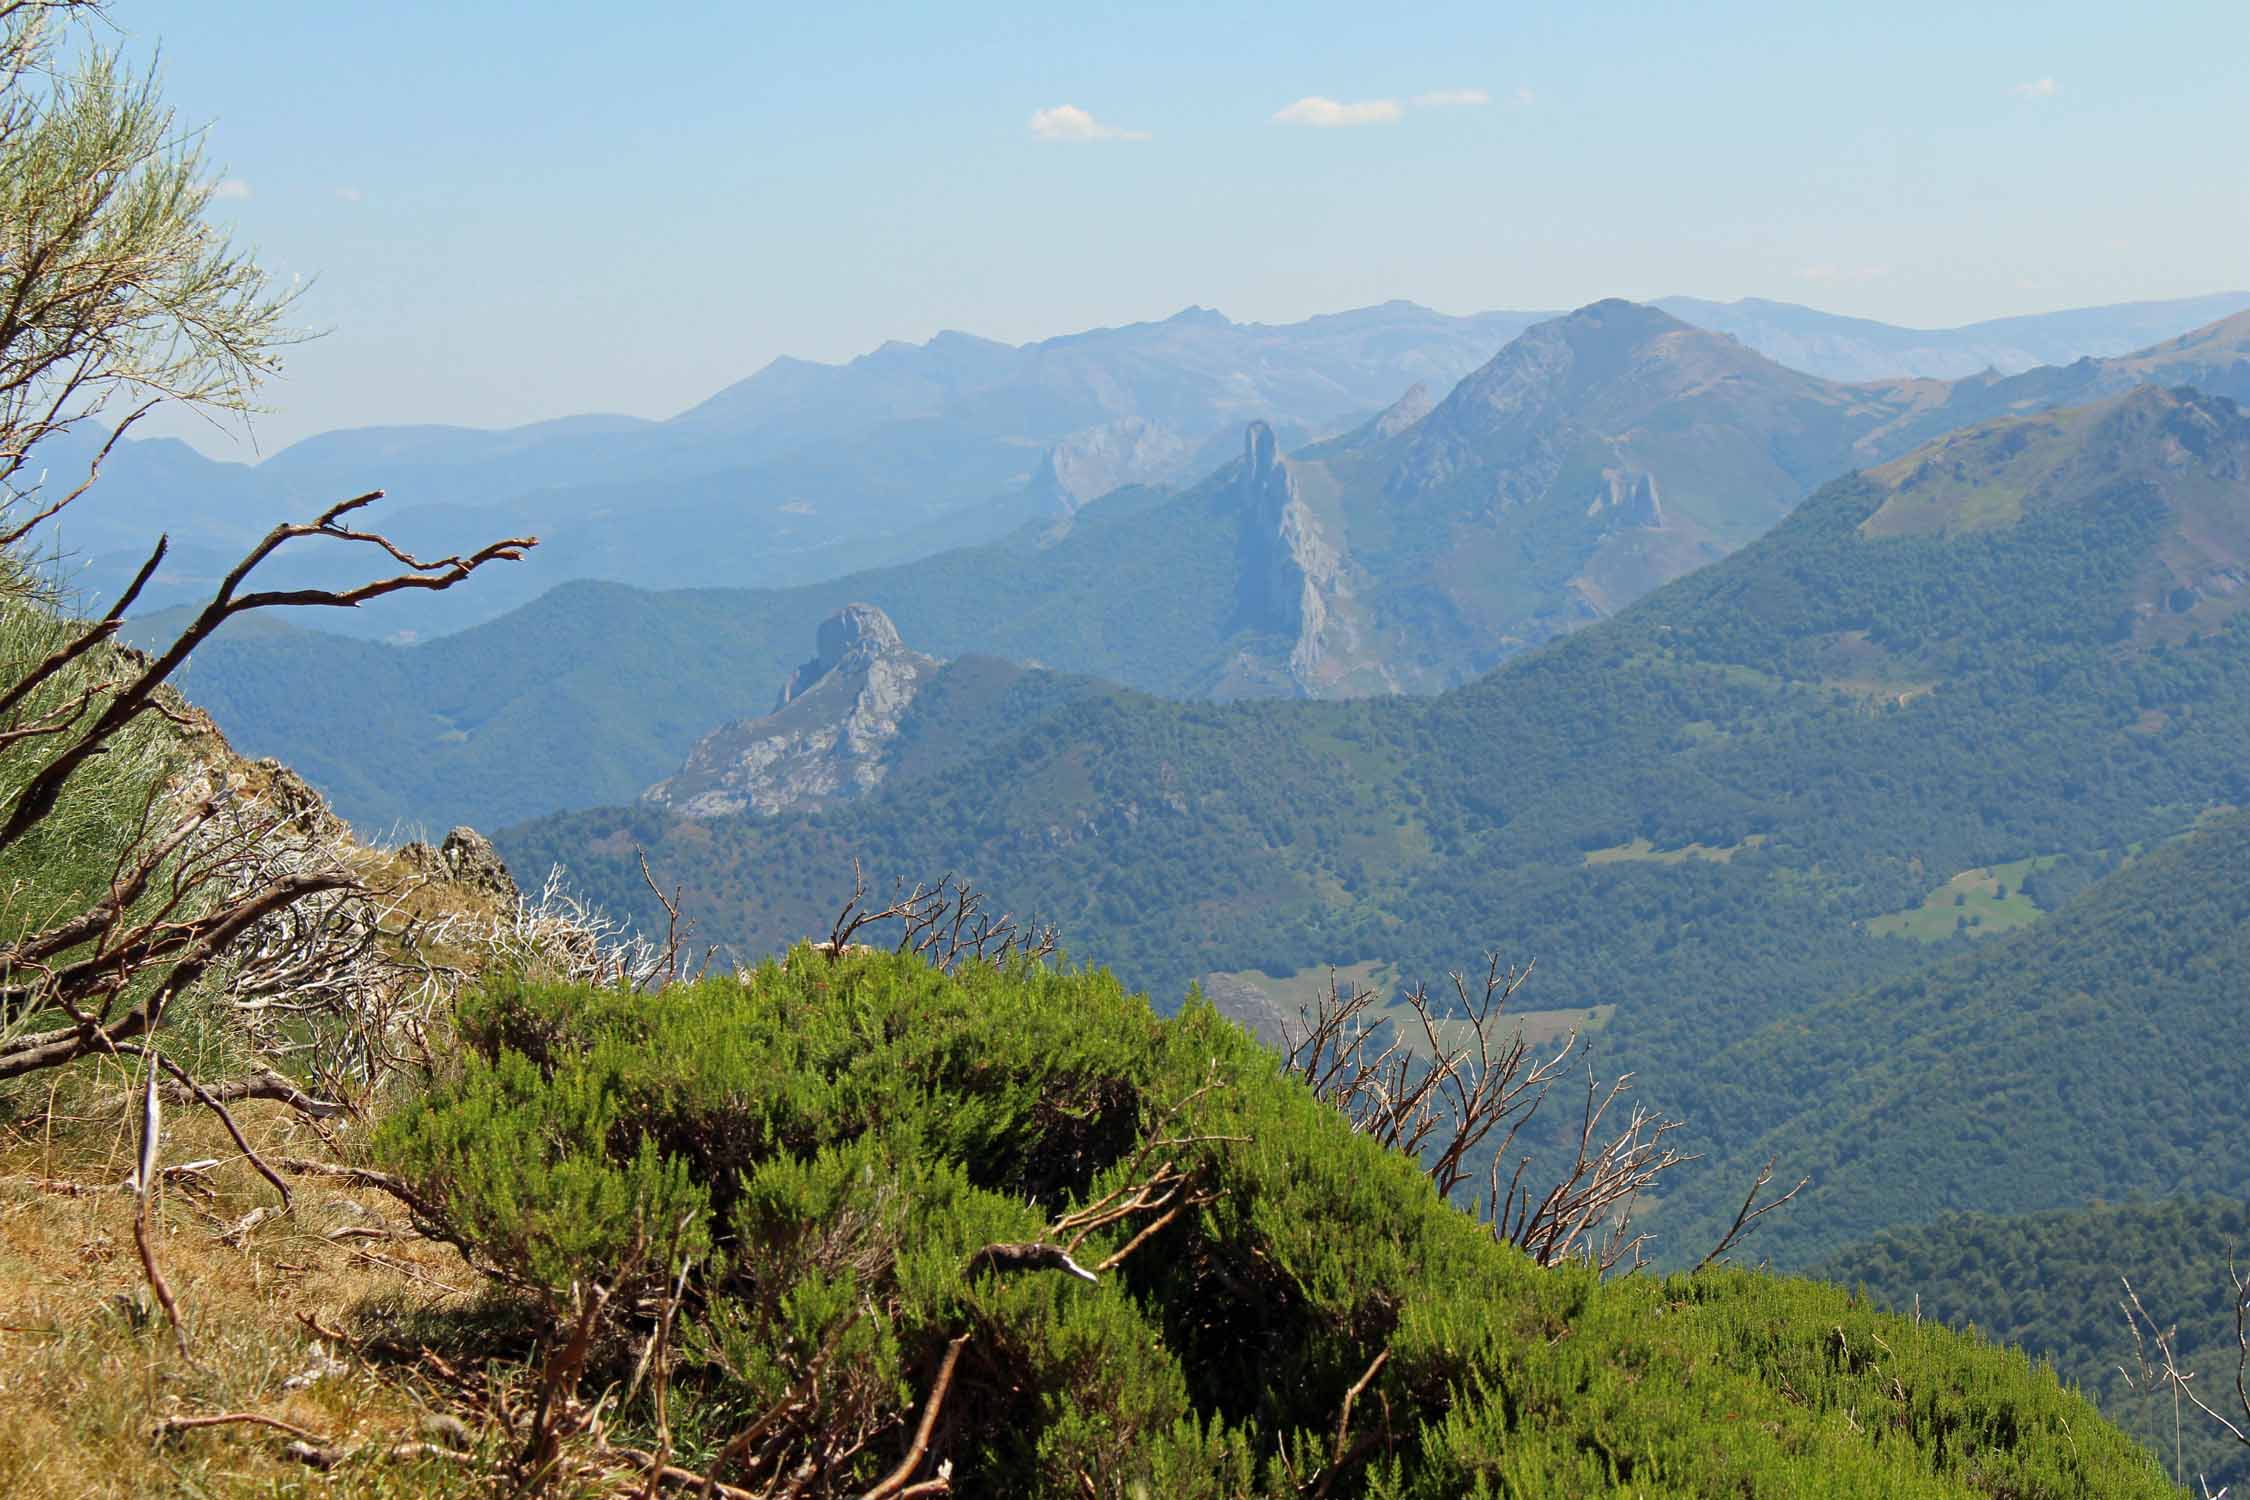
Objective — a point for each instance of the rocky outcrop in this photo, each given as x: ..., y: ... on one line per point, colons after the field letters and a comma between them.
x: 1092, y: 462
x: 1294, y: 577
x: 1628, y: 497
x: 471, y: 860
x: 827, y: 738
x: 1406, y: 411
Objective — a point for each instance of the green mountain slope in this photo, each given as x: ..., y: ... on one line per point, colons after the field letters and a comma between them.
x: 1700, y: 813
x: 2049, y: 1284
x: 2096, y: 1055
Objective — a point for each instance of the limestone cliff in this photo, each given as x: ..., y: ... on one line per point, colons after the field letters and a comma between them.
x: 1295, y: 577
x: 823, y: 743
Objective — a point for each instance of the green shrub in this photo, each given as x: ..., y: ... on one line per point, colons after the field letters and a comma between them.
x: 834, y: 1144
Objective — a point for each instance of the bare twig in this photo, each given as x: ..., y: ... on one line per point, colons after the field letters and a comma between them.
x: 1750, y: 1212
x: 169, y: 1425
x: 1465, y: 1084
x: 894, y: 1482
x: 1340, y: 1449
x: 144, y: 1180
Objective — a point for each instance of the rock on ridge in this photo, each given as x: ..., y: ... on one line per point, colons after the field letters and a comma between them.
x: 828, y: 737
x: 851, y: 637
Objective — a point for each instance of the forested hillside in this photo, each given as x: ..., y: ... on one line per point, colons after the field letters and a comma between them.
x: 1712, y: 813
x: 2095, y: 1056
x: 2052, y: 1285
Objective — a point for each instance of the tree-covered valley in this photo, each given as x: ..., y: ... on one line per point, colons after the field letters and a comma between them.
x: 1642, y: 901
x: 1711, y: 813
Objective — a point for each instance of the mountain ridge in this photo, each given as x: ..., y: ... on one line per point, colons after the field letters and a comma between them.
x: 1151, y: 588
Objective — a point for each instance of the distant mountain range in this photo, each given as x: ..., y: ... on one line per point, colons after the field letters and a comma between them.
x: 806, y: 471
x: 1595, y: 457
x: 1934, y: 701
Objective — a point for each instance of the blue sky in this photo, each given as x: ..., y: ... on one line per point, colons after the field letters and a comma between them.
x: 511, y: 212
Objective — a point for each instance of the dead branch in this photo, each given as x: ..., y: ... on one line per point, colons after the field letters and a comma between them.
x: 39, y: 795
x: 317, y: 1456
x: 1447, y: 1088
x: 667, y: 968
x: 144, y: 1180
x: 558, y: 1418
x: 170, y: 1425
x: 1750, y: 1212
x: 360, y: 1177
x: 1030, y: 1256
x: 15, y: 534
x: 650, y: 1467
x: 944, y: 925
x: 200, y: 1095
x: 895, y: 1481
x: 2182, y: 1381
x: 264, y: 1084
x: 1341, y: 1450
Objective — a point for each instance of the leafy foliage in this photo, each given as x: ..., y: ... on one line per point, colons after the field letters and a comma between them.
x: 845, y: 1138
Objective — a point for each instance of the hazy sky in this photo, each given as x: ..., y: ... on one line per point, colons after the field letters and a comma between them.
x: 512, y: 211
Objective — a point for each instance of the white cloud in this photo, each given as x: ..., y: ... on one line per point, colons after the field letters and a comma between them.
x: 1314, y: 110
x: 349, y: 194
x: 230, y: 189
x: 1067, y: 122
x: 1451, y: 98
x: 2038, y: 88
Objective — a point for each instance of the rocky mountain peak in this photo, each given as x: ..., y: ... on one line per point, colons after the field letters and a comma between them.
x: 853, y: 636
x: 1096, y: 460
x: 1261, y: 454
x: 825, y: 742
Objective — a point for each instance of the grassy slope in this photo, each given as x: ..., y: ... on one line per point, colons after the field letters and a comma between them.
x: 87, y: 1363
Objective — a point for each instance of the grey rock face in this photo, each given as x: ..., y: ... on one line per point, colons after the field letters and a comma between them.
x: 1092, y: 462
x: 1296, y: 584
x: 859, y: 629
x: 471, y: 860
x: 827, y: 738
x: 1406, y: 411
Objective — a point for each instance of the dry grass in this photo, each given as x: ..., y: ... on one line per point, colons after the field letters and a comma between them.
x: 87, y: 1366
